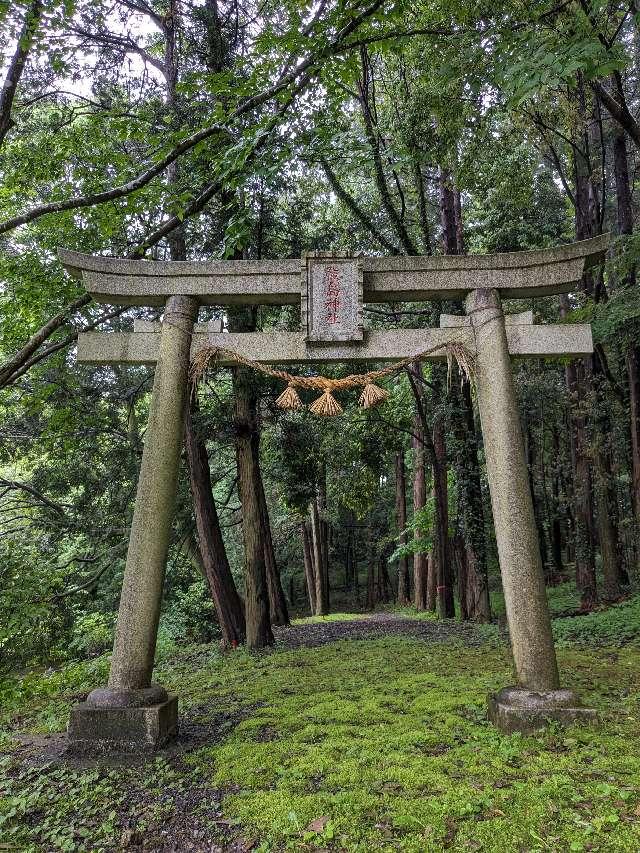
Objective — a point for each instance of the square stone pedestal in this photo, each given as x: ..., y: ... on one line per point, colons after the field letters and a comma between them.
x: 515, y: 709
x: 131, y: 729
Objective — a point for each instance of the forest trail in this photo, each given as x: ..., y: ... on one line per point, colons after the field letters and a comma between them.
x: 372, y: 626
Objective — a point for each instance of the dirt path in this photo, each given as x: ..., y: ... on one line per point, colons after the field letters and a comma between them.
x: 373, y: 626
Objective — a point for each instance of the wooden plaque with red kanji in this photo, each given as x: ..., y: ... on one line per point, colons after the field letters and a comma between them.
x: 332, y: 298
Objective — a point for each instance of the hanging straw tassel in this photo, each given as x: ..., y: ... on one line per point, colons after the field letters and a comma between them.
x: 326, y: 405
x: 372, y: 395
x: 289, y: 399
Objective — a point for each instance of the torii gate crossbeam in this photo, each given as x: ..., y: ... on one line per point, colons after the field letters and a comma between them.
x: 131, y: 713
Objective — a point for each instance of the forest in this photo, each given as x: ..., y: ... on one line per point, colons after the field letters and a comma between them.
x: 332, y: 613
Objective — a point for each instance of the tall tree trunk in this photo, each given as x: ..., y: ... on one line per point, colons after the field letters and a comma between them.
x: 578, y: 381
x: 322, y: 605
x: 459, y: 553
x: 309, y: 571
x: 371, y: 569
x: 470, y: 509
x: 258, y: 621
x: 633, y: 371
x: 277, y: 600
x: 348, y: 554
x: 554, y: 510
x: 530, y: 448
x: 585, y: 567
x: 385, y: 588
x: 419, y: 501
x: 632, y: 356
x: 442, y: 551
x: 401, y: 522
x: 478, y: 606
x: 227, y: 602
x: 326, y: 534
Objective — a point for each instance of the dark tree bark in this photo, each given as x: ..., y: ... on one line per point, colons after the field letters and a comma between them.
x: 632, y: 355
x: 326, y: 533
x: 530, y: 447
x: 227, y: 602
x: 371, y: 573
x: 459, y: 554
x: 385, y: 588
x: 322, y: 604
x: 555, y: 526
x: 470, y: 508
x: 277, y: 601
x: 441, y: 550
x: 373, y: 138
x: 419, y: 500
x: 584, y: 533
x: 401, y: 522
x: 16, y: 65
x: 476, y: 585
x: 578, y: 378
x: 309, y: 572
x: 633, y: 370
x: 450, y: 226
x: 257, y: 612
x: 348, y: 554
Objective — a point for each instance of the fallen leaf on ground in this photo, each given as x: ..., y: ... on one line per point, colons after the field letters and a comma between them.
x: 318, y: 825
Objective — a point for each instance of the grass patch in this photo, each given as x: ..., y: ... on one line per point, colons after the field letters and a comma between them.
x: 331, y: 617
x: 363, y: 745
x: 614, y: 626
x: 563, y: 598
x: 410, y: 612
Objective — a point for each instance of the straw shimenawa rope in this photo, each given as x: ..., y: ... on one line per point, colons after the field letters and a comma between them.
x: 326, y: 404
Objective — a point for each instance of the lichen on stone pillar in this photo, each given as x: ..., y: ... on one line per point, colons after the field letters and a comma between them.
x: 515, y: 528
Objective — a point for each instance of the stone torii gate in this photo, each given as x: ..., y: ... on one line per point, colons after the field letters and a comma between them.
x: 132, y: 713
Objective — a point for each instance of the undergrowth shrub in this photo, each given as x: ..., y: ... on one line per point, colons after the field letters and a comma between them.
x: 618, y: 624
x: 190, y: 617
x: 92, y: 634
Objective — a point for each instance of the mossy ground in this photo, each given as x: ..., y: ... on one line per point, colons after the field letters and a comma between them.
x: 384, y: 739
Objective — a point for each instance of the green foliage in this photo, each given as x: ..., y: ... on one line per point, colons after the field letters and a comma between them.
x: 92, y: 634
x: 532, y: 61
x: 614, y: 626
x: 191, y: 616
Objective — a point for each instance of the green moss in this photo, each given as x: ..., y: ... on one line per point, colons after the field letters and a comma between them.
x: 412, y: 613
x: 386, y: 739
x: 331, y: 617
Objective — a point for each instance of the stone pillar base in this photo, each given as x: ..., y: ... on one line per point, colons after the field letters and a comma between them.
x: 515, y: 709
x: 123, y: 721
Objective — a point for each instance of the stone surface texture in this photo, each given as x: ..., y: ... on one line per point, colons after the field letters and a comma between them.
x: 449, y: 321
x: 106, y: 697
x: 331, y: 299
x: 516, y: 710
x: 135, y: 640
x: 94, y: 729
x: 516, y: 534
x: 142, y: 347
x: 117, y: 281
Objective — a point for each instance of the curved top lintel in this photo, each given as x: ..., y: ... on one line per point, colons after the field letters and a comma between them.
x: 516, y: 274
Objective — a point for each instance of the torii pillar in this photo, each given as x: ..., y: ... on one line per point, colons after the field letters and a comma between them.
x: 133, y: 714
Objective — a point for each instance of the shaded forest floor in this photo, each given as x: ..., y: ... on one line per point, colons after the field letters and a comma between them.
x: 354, y: 734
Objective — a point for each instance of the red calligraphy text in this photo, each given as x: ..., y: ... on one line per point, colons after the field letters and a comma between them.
x: 332, y: 294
